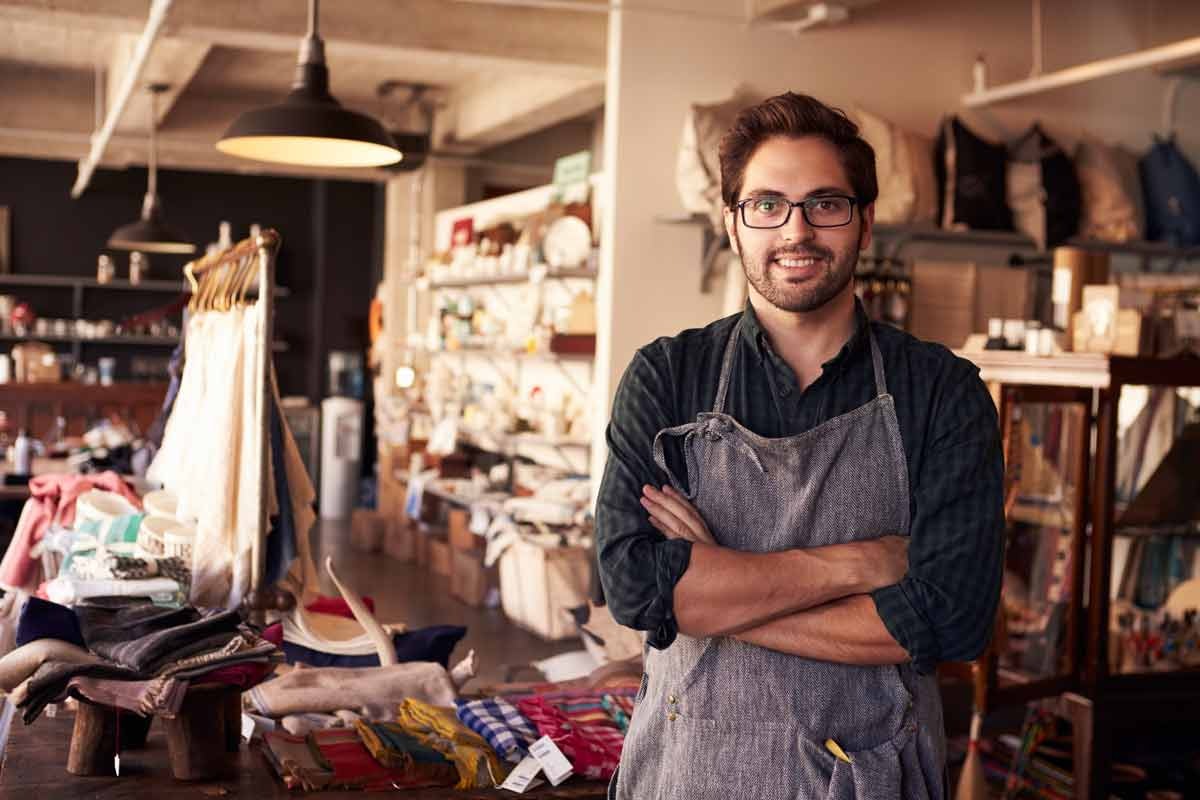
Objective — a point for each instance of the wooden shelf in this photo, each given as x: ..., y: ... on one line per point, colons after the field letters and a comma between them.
x: 490, y: 440
x: 136, y: 341
x: 502, y: 280
x: 1084, y: 370
x: 71, y: 282
x: 918, y: 233
x: 487, y: 352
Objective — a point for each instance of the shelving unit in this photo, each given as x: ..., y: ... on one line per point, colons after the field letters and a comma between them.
x: 1094, y: 699
x: 80, y: 285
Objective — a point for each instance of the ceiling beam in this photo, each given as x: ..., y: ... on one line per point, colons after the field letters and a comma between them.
x: 173, y: 62
x: 564, y: 42
x: 499, y: 110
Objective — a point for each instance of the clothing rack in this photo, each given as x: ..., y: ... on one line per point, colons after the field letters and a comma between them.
x: 220, y: 282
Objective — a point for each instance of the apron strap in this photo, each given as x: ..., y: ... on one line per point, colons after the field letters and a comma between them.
x: 727, y: 367
x: 877, y: 364
x: 660, y: 458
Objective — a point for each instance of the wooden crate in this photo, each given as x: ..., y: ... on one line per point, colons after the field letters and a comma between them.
x: 461, y: 537
x: 470, y: 581
x: 439, y: 556
x: 400, y: 540
x: 367, y: 530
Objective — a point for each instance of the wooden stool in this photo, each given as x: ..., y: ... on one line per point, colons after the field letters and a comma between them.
x: 94, y: 738
x: 202, y: 739
x: 198, y: 737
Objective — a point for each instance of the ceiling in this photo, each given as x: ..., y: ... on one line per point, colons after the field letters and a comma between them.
x: 500, y: 71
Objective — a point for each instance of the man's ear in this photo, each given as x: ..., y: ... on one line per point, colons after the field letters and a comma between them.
x: 730, y: 216
x: 868, y: 227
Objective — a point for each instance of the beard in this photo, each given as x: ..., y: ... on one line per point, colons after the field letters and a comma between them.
x: 799, y: 290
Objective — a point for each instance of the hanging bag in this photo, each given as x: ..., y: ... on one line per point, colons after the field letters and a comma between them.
x: 1172, y: 191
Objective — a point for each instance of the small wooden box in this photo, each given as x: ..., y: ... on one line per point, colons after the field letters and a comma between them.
x: 400, y: 541
x: 366, y: 530
x: 439, y: 555
x: 470, y: 581
x: 461, y: 537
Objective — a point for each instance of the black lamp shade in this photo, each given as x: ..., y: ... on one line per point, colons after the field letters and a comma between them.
x: 150, y: 234
x: 415, y: 147
x: 310, y: 128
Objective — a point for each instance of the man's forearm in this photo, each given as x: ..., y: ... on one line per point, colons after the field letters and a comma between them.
x: 725, y: 591
x: 846, y: 631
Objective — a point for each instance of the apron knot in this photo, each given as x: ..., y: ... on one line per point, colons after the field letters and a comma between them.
x: 718, y: 426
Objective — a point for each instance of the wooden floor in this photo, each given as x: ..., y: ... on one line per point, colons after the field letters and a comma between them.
x: 411, y: 594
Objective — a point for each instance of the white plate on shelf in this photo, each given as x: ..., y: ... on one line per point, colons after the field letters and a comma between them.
x: 568, y: 243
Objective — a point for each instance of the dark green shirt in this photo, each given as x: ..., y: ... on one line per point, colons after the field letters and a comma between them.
x: 943, y: 609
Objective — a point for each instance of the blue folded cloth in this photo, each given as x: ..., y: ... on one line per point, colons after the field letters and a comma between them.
x: 434, y: 643
x: 41, y: 619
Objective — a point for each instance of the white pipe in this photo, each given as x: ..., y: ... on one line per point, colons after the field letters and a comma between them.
x: 1164, y: 54
x: 141, y: 53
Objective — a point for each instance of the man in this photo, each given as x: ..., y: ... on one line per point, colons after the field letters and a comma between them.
x: 802, y: 508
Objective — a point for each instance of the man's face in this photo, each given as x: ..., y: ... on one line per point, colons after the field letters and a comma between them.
x: 798, y: 267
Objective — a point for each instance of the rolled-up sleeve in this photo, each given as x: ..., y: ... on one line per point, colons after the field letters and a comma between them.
x: 944, y: 607
x: 639, y: 567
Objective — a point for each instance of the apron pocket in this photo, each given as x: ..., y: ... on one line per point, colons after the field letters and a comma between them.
x: 891, y: 770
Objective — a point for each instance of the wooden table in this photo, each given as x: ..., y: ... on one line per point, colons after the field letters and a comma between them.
x: 41, y: 466
x: 34, y: 763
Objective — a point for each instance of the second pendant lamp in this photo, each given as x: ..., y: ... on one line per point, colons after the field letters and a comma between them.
x: 151, y: 233
x: 310, y: 127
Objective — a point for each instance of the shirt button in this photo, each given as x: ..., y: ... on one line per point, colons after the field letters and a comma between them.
x: 671, y: 717
x: 672, y: 699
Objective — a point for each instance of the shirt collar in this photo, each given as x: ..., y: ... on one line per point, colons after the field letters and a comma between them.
x: 756, y: 337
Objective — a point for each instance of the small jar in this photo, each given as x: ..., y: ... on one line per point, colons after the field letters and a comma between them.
x: 139, y: 265
x: 105, y: 269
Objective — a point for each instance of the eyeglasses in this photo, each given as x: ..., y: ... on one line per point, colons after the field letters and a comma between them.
x: 825, y: 211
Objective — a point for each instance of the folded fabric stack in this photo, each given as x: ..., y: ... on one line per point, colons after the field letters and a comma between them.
x: 367, y: 757
x: 472, y: 745
x: 130, y: 654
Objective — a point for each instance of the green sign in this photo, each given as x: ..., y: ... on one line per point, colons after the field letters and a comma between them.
x: 571, y: 177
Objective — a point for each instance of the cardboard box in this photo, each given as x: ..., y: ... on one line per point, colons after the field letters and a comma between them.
x: 461, y: 537
x: 539, y: 582
x: 367, y: 530
x: 1074, y: 268
x: 400, y: 541
x: 943, y: 301
x: 439, y: 555
x: 421, y: 537
x: 470, y: 581
x: 954, y: 299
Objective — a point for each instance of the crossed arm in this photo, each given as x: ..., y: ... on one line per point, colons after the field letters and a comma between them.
x: 758, y: 598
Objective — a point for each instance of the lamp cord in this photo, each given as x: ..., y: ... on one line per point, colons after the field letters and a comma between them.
x: 152, y: 177
x: 312, y: 19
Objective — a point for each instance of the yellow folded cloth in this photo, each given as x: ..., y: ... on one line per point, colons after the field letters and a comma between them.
x: 478, y: 765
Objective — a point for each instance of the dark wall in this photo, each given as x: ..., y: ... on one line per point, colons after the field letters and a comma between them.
x: 330, y: 259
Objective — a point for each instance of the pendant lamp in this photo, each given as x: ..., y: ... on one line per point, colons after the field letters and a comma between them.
x: 151, y: 234
x: 310, y: 127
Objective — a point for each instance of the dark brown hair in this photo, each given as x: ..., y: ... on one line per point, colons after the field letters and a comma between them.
x: 795, y: 115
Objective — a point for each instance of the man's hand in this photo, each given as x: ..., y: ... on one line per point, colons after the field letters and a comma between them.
x: 674, y: 516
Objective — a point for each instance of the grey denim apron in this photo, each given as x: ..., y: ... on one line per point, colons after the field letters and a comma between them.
x: 718, y: 718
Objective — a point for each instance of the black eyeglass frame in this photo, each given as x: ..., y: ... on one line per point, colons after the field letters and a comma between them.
x: 802, y: 205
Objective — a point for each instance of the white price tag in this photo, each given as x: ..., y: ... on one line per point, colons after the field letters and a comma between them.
x: 523, y: 776
x: 553, y: 762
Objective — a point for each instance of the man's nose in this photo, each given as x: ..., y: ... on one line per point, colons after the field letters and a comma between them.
x: 797, y: 227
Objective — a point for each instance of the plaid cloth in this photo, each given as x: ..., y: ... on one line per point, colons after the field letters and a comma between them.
x: 620, y: 707
x: 594, y: 750
x: 499, y: 722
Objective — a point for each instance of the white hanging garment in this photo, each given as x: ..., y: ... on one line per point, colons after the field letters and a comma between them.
x: 218, y: 447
